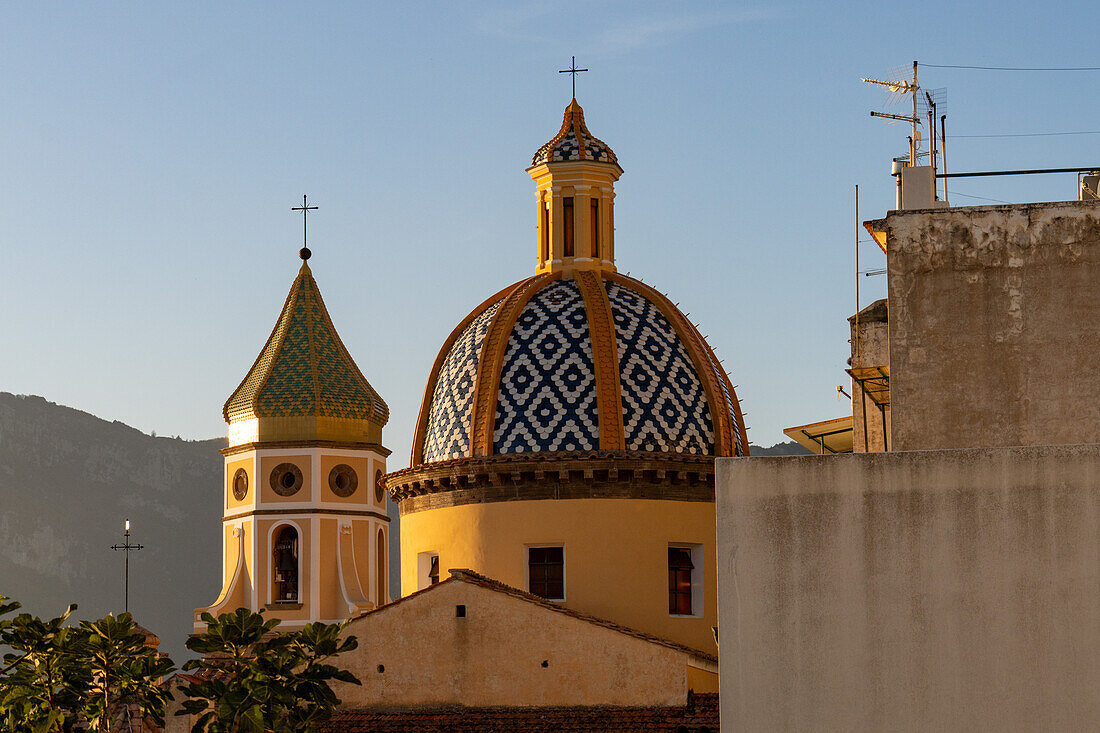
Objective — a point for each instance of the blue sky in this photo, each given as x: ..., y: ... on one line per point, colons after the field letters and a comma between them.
x: 150, y: 154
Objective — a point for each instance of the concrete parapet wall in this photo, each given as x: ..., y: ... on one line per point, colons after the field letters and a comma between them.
x: 994, y: 325
x: 949, y: 590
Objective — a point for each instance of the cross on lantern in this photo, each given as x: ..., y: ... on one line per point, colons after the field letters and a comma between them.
x: 574, y: 71
x: 127, y: 547
x: 305, y: 208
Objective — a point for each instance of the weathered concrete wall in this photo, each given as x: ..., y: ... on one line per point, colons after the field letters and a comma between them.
x: 994, y: 325
x: 916, y: 591
x: 418, y: 652
x: 870, y: 340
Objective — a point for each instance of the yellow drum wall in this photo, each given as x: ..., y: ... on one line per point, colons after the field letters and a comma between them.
x: 616, y: 554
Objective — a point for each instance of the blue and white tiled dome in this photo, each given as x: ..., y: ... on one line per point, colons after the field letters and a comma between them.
x: 596, y: 361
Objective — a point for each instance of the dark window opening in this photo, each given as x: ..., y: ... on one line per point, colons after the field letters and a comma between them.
x: 544, y: 233
x: 460, y: 611
x: 284, y: 562
x: 380, y: 568
x: 567, y: 215
x: 546, y: 572
x: 595, y: 226
x: 433, y: 570
x: 679, y: 581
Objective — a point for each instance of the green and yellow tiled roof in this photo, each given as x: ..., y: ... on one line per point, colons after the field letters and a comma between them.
x: 304, y: 369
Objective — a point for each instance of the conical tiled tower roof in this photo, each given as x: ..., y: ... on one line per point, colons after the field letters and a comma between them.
x: 304, y: 370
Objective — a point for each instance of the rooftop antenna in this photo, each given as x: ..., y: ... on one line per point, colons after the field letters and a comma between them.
x: 899, y: 88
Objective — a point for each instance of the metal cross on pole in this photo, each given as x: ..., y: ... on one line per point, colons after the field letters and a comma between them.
x: 305, y: 208
x: 574, y: 71
x: 127, y: 547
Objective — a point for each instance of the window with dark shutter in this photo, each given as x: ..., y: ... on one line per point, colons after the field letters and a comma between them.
x: 594, y: 222
x: 546, y: 572
x: 567, y: 215
x: 433, y: 570
x: 679, y: 581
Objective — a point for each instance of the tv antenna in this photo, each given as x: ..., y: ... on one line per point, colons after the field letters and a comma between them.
x: 924, y: 105
x: 900, y: 88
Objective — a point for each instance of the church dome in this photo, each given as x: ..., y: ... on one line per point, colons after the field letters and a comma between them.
x: 574, y: 142
x: 588, y: 362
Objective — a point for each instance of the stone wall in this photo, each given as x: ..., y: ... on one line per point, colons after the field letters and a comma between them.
x: 458, y: 643
x: 870, y: 340
x: 954, y: 590
x: 994, y: 325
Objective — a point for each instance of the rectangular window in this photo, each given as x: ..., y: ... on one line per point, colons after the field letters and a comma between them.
x: 680, y: 571
x: 427, y: 569
x: 567, y: 215
x: 594, y: 221
x: 546, y: 572
x: 544, y: 226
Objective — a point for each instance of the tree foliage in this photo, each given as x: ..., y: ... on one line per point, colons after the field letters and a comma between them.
x: 59, y: 677
x: 252, y: 680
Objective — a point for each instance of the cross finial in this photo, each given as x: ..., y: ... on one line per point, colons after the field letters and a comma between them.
x: 305, y: 208
x: 574, y: 71
x: 127, y: 548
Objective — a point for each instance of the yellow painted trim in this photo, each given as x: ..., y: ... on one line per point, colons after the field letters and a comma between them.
x: 350, y: 586
x: 231, y: 590
x: 605, y: 359
x: 483, y: 407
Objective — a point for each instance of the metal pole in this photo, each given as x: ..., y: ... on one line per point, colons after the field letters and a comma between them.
x: 1025, y: 172
x: 913, y: 145
x: 943, y: 151
x: 855, y: 335
x: 885, y: 442
x: 126, y: 547
x: 126, y: 592
x: 863, y: 399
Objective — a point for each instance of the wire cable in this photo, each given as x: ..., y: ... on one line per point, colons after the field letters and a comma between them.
x: 979, y: 198
x: 1032, y: 134
x: 1013, y: 68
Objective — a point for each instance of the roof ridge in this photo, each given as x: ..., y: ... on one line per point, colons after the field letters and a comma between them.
x: 376, y: 399
x: 488, y: 583
x: 279, y: 322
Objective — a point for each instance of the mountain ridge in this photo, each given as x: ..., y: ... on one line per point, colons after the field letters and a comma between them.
x: 68, y: 480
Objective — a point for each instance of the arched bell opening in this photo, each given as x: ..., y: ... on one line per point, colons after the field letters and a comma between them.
x: 286, y: 565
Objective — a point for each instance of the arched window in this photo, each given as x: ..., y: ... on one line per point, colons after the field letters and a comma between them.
x: 284, y: 566
x: 380, y: 567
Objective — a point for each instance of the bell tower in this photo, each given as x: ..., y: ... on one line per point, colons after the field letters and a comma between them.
x: 575, y: 176
x: 304, y: 524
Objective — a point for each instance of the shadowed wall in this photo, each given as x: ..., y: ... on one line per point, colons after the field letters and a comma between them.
x: 906, y: 591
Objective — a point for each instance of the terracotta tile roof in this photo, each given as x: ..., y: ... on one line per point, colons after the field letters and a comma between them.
x: 469, y: 576
x: 304, y: 370
x: 699, y: 715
